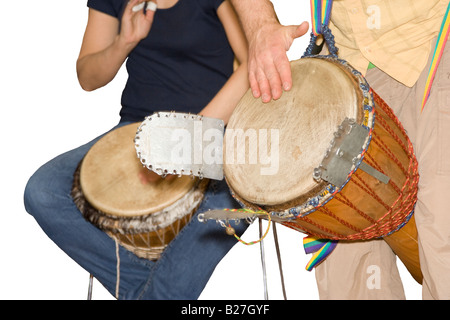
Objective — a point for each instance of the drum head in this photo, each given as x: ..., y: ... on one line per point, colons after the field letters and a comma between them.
x: 109, y: 178
x: 304, y: 119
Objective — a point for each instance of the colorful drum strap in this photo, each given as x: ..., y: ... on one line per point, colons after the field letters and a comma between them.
x: 320, y: 248
x: 438, y: 51
x: 320, y: 15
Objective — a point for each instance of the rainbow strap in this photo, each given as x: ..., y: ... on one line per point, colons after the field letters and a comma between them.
x: 320, y: 248
x: 438, y: 51
x: 320, y: 14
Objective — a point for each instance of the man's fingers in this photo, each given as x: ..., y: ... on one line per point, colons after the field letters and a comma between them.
x: 283, y: 68
x: 264, y: 86
x: 265, y: 82
x: 274, y: 81
x: 282, y: 63
x: 300, y: 30
x: 254, y: 84
x: 283, y: 81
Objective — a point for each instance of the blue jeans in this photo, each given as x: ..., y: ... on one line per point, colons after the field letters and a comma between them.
x: 184, y: 267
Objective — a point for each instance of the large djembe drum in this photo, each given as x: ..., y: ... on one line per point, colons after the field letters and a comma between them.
x: 345, y: 168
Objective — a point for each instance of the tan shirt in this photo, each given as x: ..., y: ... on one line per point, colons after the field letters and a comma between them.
x: 395, y: 35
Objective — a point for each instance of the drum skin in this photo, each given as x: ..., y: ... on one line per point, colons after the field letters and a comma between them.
x: 109, y: 178
x: 304, y: 130
x: 325, y: 92
x: 143, y: 217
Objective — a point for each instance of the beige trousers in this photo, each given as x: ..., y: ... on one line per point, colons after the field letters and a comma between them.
x: 367, y: 269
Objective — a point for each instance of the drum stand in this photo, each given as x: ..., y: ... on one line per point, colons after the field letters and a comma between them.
x: 91, y: 283
x: 263, y: 260
x: 280, y: 267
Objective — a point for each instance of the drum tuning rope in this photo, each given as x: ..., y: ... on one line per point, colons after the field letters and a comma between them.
x: 230, y: 230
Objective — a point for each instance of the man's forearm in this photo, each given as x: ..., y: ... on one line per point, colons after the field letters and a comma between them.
x: 254, y: 14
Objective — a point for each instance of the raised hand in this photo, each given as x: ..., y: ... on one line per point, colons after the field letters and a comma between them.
x: 137, y: 22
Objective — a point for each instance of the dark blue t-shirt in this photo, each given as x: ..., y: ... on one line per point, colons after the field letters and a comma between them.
x: 180, y: 66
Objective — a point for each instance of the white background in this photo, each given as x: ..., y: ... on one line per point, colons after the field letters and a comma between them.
x: 44, y: 112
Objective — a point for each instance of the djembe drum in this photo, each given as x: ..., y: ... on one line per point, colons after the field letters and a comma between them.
x: 346, y: 169
x: 142, y: 217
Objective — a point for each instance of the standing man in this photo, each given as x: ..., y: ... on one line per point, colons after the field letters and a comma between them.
x: 392, y: 44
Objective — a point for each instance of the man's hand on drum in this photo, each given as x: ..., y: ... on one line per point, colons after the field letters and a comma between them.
x: 269, y: 67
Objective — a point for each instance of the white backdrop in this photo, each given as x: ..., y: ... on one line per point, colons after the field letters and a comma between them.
x: 45, y: 112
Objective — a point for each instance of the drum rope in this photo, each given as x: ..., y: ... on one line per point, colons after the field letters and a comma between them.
x: 326, y: 211
x: 294, y: 226
x: 382, y: 122
x: 390, y: 114
x: 359, y: 182
x: 407, y: 149
x: 346, y: 201
x: 371, y: 161
x: 161, y: 237
x: 117, y: 268
x: 231, y: 231
x: 175, y: 227
x: 389, y: 153
x: 396, y: 215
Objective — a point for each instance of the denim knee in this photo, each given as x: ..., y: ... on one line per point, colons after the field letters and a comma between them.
x: 34, y: 197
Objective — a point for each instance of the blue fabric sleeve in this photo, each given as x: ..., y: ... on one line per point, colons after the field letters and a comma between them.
x: 209, y: 4
x: 217, y: 3
x: 110, y: 7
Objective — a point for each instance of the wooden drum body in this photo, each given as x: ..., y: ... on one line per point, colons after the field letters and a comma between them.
x: 142, y: 217
x: 346, y: 169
